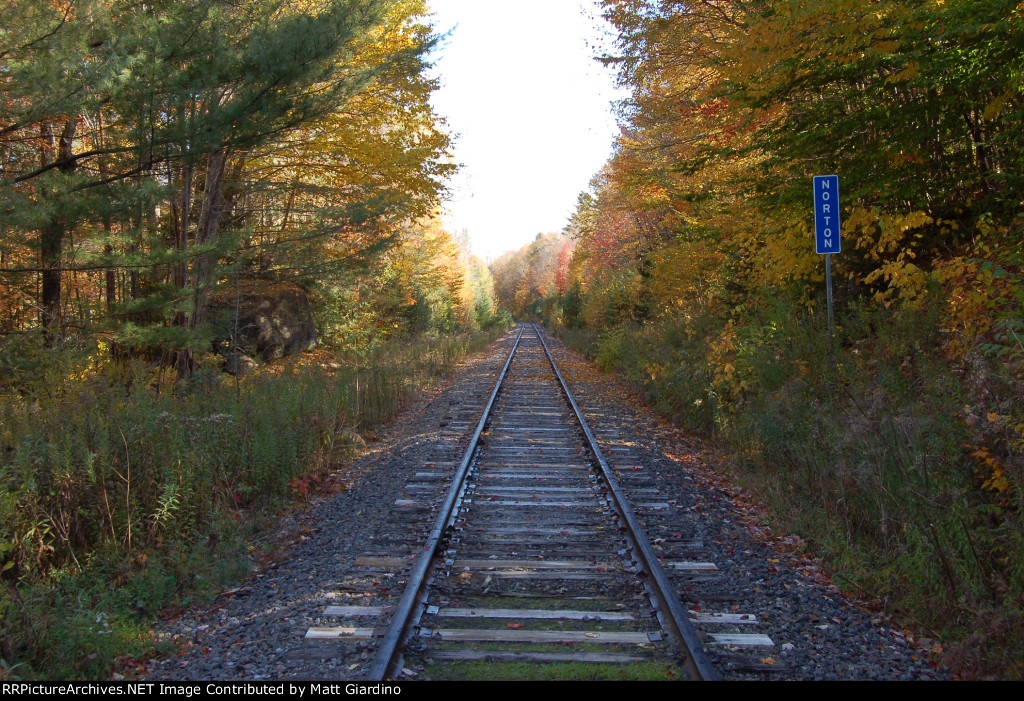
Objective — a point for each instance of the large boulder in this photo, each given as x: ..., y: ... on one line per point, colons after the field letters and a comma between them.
x: 261, y: 320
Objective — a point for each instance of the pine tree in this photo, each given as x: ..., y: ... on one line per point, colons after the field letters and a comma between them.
x: 172, y: 138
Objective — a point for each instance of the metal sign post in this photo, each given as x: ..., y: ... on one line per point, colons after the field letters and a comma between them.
x: 826, y: 231
x: 828, y: 288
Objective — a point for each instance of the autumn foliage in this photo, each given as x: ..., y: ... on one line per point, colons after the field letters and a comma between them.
x: 897, y: 445
x: 155, y: 155
x: 158, y: 159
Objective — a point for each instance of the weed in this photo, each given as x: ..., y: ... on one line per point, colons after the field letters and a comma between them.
x: 116, y: 501
x: 901, y: 467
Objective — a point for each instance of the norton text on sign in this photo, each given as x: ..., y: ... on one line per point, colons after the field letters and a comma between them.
x: 826, y: 213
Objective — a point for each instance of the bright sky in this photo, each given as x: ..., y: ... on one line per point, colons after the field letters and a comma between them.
x: 531, y: 111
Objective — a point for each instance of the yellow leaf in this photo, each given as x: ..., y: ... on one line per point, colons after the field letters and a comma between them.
x: 887, y: 47
x: 907, y: 73
x: 993, y: 108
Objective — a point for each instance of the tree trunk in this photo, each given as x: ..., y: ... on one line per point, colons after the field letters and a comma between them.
x: 181, y: 206
x: 51, y: 237
x: 206, y: 233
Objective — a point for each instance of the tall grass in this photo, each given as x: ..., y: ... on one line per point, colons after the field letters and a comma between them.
x: 116, y: 501
x: 870, y: 450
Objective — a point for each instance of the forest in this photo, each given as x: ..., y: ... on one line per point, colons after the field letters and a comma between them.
x: 188, y: 190
x: 689, y: 266
x: 223, y: 269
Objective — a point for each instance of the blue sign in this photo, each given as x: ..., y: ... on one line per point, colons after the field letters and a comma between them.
x: 826, y: 213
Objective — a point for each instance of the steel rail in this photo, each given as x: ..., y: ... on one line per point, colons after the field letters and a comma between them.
x: 387, y: 653
x: 697, y: 663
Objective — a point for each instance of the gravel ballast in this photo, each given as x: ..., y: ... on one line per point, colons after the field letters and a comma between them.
x: 256, y: 632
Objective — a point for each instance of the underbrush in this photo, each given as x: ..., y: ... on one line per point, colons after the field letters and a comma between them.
x: 117, y: 501
x: 900, y: 463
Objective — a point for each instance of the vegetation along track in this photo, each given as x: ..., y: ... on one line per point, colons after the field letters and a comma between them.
x: 537, y: 557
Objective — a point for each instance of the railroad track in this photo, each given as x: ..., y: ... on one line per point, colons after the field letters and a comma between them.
x: 535, y: 554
